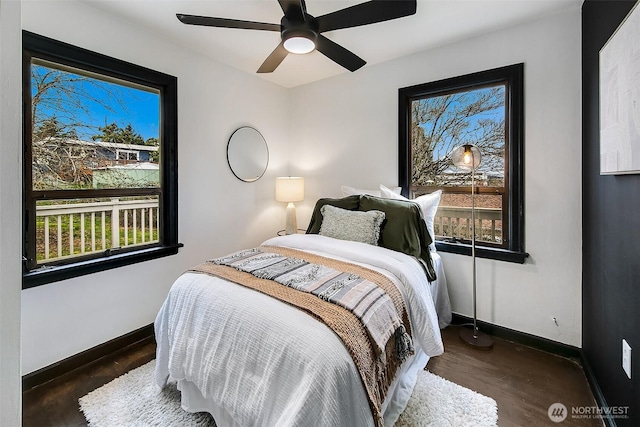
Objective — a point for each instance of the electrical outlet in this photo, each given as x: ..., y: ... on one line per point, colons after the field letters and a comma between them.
x: 626, y: 358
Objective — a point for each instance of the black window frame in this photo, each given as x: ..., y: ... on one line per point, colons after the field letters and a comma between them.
x: 47, y: 49
x: 513, y: 77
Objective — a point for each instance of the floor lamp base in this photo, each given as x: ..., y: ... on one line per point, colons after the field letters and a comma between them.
x: 480, y: 341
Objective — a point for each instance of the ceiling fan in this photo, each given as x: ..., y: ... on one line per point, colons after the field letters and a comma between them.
x: 301, y: 32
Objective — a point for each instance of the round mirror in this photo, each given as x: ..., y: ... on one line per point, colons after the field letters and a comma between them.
x: 247, y: 154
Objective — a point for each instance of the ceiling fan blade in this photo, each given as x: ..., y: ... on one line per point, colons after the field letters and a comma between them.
x: 208, y: 21
x: 338, y: 54
x: 274, y: 59
x: 294, y: 10
x: 366, y: 13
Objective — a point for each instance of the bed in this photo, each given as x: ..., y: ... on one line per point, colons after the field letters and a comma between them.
x: 250, y: 359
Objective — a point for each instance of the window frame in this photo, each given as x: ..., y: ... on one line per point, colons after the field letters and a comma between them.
x: 513, y: 211
x: 44, y: 48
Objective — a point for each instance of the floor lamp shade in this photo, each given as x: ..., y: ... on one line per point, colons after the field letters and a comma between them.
x: 290, y: 189
x: 468, y: 157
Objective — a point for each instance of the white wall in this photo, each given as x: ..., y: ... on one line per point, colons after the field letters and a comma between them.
x: 10, y: 201
x: 345, y: 131
x: 217, y: 212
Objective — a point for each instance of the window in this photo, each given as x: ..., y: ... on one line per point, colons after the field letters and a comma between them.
x: 128, y: 155
x: 100, y: 162
x: 484, y: 109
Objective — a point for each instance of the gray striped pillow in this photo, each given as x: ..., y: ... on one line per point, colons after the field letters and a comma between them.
x: 356, y: 226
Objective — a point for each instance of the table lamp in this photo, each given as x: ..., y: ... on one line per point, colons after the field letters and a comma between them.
x: 290, y: 189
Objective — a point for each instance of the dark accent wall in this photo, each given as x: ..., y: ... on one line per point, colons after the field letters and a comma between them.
x: 611, y: 236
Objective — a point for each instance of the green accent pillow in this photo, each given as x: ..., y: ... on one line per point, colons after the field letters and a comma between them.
x: 350, y: 203
x: 404, y: 229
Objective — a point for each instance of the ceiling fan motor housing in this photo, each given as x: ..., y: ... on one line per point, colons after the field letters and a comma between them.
x: 307, y: 28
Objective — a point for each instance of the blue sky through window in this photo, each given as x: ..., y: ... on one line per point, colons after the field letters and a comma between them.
x: 473, y: 130
x: 84, y: 103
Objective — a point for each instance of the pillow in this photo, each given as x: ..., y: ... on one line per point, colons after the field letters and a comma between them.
x: 350, y: 191
x: 351, y: 225
x: 427, y: 202
x: 350, y: 203
x: 404, y: 229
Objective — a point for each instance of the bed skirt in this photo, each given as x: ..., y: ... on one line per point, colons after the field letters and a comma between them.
x: 397, y: 398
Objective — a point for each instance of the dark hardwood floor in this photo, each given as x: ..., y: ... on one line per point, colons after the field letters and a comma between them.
x: 55, y: 404
x: 522, y: 380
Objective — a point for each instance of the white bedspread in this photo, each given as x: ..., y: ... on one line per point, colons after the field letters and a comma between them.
x: 260, y: 362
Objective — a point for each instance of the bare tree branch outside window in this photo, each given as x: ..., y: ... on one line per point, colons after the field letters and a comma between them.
x: 441, y: 123
x: 73, y: 132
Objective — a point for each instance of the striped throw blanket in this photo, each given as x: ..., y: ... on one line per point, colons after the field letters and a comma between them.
x: 362, y: 297
x: 337, y: 293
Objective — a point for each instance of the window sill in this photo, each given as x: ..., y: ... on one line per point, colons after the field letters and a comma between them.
x: 61, y: 272
x: 483, y: 252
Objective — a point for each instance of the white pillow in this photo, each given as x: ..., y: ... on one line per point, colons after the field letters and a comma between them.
x: 350, y: 191
x: 427, y: 202
x: 356, y: 226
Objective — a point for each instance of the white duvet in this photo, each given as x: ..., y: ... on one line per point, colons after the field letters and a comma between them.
x: 251, y: 360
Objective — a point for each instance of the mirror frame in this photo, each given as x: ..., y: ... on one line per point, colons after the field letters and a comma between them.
x: 257, y: 143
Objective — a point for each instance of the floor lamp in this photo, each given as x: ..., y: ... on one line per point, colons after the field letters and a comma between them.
x: 468, y: 157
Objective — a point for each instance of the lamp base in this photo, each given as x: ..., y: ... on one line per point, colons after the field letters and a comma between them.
x: 479, y: 340
x: 291, y: 226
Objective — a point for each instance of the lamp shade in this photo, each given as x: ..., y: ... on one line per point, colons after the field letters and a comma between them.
x: 467, y: 157
x: 289, y: 189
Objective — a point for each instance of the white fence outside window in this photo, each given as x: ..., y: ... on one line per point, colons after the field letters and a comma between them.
x: 452, y: 221
x: 69, y: 230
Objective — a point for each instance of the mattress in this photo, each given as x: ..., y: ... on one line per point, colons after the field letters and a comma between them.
x: 251, y: 360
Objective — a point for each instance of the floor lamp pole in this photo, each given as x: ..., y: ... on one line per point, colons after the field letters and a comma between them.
x: 473, y: 250
x: 474, y: 337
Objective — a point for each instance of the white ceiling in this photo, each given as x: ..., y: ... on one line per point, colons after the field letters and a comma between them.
x: 436, y: 23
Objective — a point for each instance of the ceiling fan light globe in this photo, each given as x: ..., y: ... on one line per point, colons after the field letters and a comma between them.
x: 299, y: 45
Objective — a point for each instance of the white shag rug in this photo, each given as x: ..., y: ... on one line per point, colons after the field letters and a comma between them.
x: 134, y: 400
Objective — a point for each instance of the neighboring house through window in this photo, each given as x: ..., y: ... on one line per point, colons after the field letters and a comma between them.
x: 100, y: 165
x: 484, y: 109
